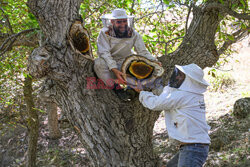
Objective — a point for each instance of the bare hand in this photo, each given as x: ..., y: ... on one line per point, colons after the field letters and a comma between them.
x: 119, y: 75
x: 159, y: 63
x: 136, y: 88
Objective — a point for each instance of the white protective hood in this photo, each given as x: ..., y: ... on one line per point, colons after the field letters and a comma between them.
x: 190, y: 85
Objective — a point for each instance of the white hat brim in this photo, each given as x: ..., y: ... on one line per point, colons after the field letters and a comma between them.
x: 203, y: 81
x: 109, y: 16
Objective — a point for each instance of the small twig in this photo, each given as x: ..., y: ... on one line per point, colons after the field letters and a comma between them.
x: 166, y: 43
x: 182, y: 4
x: 217, y: 68
x: 148, y: 15
x: 132, y: 7
x: 189, y: 11
x: 148, y: 20
x: 237, y: 36
x: 8, y: 22
x: 96, y: 9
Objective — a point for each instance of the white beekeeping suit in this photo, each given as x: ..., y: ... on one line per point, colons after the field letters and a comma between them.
x: 184, y: 107
x: 112, y: 49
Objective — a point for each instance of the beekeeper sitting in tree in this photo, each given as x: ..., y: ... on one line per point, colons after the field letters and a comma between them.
x: 114, y: 45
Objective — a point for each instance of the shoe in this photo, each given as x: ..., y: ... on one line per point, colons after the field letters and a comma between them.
x: 132, y: 93
x: 124, y: 95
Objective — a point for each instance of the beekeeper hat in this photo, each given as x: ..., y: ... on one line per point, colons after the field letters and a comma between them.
x: 194, y: 72
x: 117, y: 14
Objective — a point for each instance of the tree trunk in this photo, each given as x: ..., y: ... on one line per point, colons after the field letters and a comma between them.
x: 32, y: 122
x: 114, y: 133
x: 54, y: 132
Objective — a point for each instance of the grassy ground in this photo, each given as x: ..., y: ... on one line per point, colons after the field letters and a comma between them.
x: 230, y: 136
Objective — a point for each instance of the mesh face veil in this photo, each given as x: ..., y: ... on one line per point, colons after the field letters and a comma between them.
x: 173, y: 82
x: 107, y: 22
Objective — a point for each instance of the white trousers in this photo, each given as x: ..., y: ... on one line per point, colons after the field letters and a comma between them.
x: 102, y: 71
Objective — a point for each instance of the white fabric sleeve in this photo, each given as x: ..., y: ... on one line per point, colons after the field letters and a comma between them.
x: 166, y: 101
x: 103, y: 50
x: 140, y: 47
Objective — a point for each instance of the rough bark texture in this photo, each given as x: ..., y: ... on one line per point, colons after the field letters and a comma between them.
x: 32, y: 122
x: 51, y: 109
x: 114, y: 133
x: 54, y: 131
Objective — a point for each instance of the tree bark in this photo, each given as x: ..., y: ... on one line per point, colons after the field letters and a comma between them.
x: 114, y: 133
x: 32, y: 122
x: 54, y: 131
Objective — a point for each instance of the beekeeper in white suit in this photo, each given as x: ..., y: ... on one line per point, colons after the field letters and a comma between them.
x: 114, y: 44
x: 183, y: 103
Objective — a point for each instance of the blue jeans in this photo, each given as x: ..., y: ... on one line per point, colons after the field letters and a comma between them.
x: 193, y: 155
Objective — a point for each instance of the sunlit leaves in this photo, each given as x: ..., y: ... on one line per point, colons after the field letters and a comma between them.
x: 156, y: 26
x: 19, y: 16
x: 161, y: 27
x: 10, y: 75
x: 166, y: 2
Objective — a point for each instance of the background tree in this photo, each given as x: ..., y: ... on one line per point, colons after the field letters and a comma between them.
x: 19, y: 35
x: 32, y: 122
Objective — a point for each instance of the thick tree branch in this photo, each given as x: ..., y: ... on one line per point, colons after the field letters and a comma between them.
x: 223, y: 8
x: 8, y: 43
x: 238, y: 35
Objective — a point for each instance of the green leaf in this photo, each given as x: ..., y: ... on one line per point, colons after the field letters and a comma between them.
x: 221, y: 1
x: 243, y: 3
x: 26, y: 75
x: 153, y: 30
x: 40, y: 110
x: 243, y: 26
x: 166, y: 2
x: 171, y: 6
x: 230, y: 37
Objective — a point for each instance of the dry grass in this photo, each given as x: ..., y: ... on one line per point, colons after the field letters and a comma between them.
x: 221, y: 102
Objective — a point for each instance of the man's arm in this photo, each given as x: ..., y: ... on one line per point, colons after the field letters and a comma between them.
x: 166, y: 101
x: 103, y: 50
